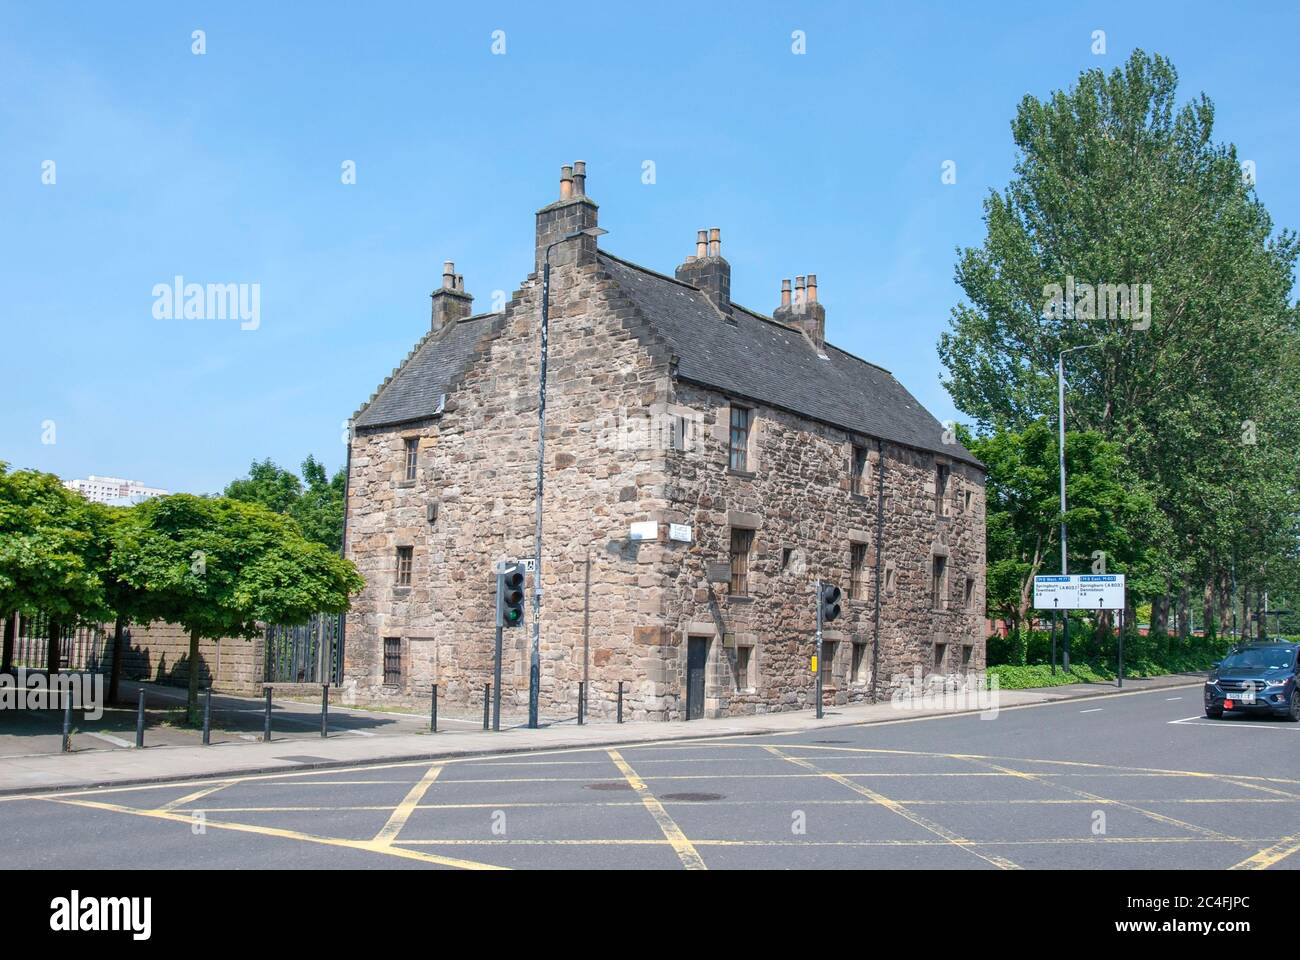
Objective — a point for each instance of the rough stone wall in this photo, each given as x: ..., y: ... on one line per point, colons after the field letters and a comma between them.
x: 477, y: 464
x: 160, y: 652
x: 796, y: 496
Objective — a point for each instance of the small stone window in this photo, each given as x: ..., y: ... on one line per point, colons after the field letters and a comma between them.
x: 939, y: 583
x: 861, y: 470
x: 412, y: 457
x: 857, y: 571
x: 967, y: 501
x: 965, y: 657
x: 392, y: 661
x: 859, y: 668
x: 970, y: 593
x: 741, y: 543
x: 940, y: 655
x: 827, y: 666
x: 744, y: 668
x: 404, y: 555
x: 941, y: 490
x: 741, y: 421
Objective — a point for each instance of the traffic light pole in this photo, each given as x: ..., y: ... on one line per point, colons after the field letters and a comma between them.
x: 818, y: 658
x: 496, y: 665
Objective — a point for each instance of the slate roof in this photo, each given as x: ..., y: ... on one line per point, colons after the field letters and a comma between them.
x: 429, y: 371
x: 759, y: 359
x: 753, y: 358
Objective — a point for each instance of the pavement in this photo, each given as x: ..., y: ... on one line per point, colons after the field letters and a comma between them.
x: 360, y: 737
x: 1139, y: 779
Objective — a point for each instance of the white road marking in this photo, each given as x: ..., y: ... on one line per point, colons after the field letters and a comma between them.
x: 1093, y: 710
x: 115, y: 741
x: 1167, y: 699
x: 1203, y: 721
x: 360, y: 733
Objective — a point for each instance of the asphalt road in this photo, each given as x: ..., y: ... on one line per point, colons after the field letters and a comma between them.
x: 1130, y: 781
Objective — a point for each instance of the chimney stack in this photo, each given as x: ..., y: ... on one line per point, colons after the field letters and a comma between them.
x: 708, y: 270
x: 573, y: 212
x: 803, y: 312
x: 450, y: 301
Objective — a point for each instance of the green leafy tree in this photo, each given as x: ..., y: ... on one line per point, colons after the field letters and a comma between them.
x: 315, y: 501
x: 52, y: 552
x: 1117, y: 184
x: 1105, y: 511
x: 218, y: 566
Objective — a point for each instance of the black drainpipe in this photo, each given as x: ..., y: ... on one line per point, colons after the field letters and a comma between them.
x: 880, y: 543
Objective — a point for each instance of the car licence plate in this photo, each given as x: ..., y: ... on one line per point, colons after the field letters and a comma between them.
x: 1245, y: 697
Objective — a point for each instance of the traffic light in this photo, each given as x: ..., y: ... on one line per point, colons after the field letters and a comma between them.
x: 510, y: 596
x: 829, y: 602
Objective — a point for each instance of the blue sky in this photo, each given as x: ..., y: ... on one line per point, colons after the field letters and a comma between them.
x: 225, y: 168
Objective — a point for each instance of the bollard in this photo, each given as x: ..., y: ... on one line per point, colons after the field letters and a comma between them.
x: 582, y: 706
x: 325, y: 710
x: 207, y: 717
x: 67, y: 722
x: 266, y: 728
x: 139, y: 722
x: 487, y: 693
x: 620, y: 701
x: 433, y: 716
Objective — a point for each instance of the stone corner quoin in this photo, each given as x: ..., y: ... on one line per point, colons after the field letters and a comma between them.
x: 666, y: 403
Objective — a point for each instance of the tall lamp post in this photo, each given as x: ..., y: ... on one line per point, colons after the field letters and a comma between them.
x: 535, y: 661
x: 1060, y: 455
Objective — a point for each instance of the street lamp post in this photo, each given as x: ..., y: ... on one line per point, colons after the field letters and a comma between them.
x: 534, y: 660
x: 1060, y: 457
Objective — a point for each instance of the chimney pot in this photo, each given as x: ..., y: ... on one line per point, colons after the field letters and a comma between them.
x: 812, y: 288
x: 566, y: 182
x: 785, y: 293
x: 701, y: 244
x: 798, y: 289
x: 715, y: 242
x: 580, y: 178
x: 450, y: 302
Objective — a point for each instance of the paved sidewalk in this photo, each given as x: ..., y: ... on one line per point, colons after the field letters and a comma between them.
x: 94, y: 768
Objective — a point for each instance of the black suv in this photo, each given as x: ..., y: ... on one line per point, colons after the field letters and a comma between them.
x: 1255, y: 678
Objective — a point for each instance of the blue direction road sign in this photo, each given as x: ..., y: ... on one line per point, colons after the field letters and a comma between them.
x: 1097, y: 591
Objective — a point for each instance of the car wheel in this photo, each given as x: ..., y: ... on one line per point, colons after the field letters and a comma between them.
x: 1218, y: 714
x: 1294, y: 715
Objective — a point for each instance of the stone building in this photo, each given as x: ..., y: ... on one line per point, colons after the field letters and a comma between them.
x: 755, y: 457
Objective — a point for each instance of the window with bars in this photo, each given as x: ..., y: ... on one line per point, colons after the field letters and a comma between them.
x: 741, y: 543
x: 857, y: 571
x: 392, y: 661
x: 827, y: 664
x: 412, y: 456
x: 861, y: 471
x: 741, y: 419
x: 404, y: 566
